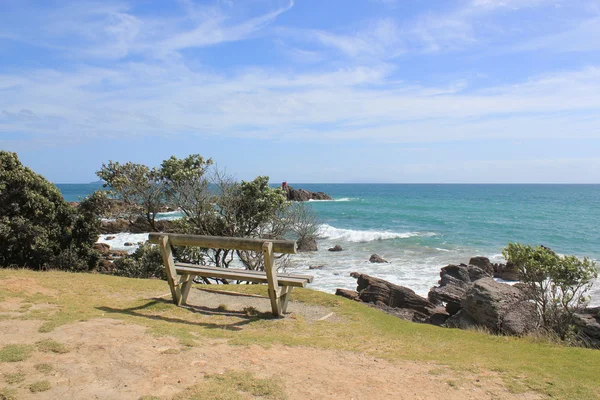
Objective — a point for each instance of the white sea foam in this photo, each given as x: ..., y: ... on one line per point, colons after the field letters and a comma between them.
x: 350, y: 235
x: 170, y: 215
x: 119, y: 240
x: 334, y: 200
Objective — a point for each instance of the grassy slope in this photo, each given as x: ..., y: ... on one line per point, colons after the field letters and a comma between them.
x: 522, y: 363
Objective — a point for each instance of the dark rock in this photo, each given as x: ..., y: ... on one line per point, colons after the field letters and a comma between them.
x: 127, y: 244
x: 101, y: 247
x: 109, y: 237
x: 376, y: 259
x: 381, y: 292
x: 453, y: 285
x: 483, y: 263
x: 490, y: 302
x: 438, y: 317
x: 337, y: 247
x: 510, y: 272
x: 588, y: 323
x: 349, y: 294
x: 316, y: 267
x: 303, y: 195
x: 476, y: 273
x: 307, y: 244
x: 518, y: 320
x: 461, y: 320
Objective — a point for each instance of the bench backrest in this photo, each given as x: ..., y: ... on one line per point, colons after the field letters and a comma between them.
x: 220, y: 242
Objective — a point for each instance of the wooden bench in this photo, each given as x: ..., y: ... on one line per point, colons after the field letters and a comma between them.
x: 181, y: 276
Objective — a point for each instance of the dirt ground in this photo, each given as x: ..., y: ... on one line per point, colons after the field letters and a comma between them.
x: 111, y: 359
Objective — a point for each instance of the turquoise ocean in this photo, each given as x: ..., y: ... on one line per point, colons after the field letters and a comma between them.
x: 420, y: 228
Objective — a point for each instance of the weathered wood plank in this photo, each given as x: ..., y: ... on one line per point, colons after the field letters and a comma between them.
x: 307, y: 278
x: 218, y: 242
x: 240, y: 275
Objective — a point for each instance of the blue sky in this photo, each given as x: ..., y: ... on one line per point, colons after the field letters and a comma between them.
x: 467, y: 91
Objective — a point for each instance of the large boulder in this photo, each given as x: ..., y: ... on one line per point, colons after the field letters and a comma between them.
x: 483, y: 263
x: 453, y: 285
x: 461, y: 320
x: 390, y: 297
x: 588, y: 323
x: 500, y: 307
x: 507, y: 272
x: 337, y: 247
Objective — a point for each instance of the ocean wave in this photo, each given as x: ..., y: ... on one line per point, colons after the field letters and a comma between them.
x: 334, y: 200
x: 350, y: 235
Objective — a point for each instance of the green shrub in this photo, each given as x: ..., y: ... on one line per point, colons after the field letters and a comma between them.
x: 146, y: 262
x: 558, y: 284
x: 38, y: 229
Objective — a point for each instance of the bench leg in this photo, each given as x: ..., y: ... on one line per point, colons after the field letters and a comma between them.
x: 274, y: 290
x: 186, y: 285
x: 284, y: 297
x: 172, y: 277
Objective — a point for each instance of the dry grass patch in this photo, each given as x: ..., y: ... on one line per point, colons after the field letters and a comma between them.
x: 233, y: 385
x: 13, y: 379
x: 43, y: 368
x: 8, y: 394
x: 52, y: 346
x: 40, y: 386
x: 15, y: 352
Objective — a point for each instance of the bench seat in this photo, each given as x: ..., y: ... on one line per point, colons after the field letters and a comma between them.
x: 241, y: 275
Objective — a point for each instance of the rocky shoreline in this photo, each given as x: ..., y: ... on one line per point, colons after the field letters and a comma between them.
x: 467, y: 297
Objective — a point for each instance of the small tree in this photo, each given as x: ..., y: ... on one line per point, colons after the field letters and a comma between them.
x: 557, y: 284
x: 138, y: 186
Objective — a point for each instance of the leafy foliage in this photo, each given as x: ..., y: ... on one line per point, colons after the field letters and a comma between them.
x: 38, y: 229
x: 558, y: 284
x: 146, y: 262
x: 212, y: 203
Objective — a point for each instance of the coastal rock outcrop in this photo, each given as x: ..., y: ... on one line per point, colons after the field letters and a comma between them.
x: 337, y: 247
x: 302, y: 194
x: 453, y: 285
x: 500, y: 308
x: 376, y: 259
x: 588, y: 323
x: 394, y: 299
x: 483, y: 263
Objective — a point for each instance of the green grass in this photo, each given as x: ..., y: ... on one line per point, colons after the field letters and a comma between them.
x: 15, y: 352
x: 51, y: 346
x: 40, y: 386
x: 523, y: 364
x: 43, y: 368
x: 233, y: 385
x: 13, y: 379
